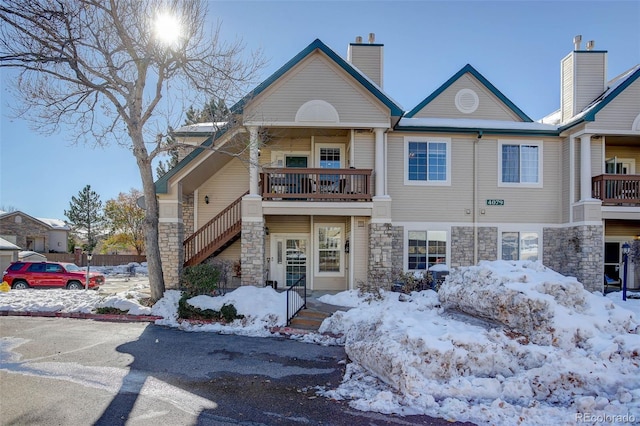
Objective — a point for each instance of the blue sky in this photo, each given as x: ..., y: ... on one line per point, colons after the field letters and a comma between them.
x: 516, y: 45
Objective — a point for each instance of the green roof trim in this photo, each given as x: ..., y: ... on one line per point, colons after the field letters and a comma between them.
x: 162, y: 184
x: 395, y: 109
x: 469, y: 69
x: 597, y: 107
x: 483, y: 130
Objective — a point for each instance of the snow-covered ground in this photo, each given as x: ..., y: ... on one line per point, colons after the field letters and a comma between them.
x: 534, y: 348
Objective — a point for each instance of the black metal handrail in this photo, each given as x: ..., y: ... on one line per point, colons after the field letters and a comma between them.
x: 296, y: 304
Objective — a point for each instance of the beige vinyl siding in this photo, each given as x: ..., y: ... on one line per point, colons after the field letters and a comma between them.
x: 489, y: 108
x: 224, y: 187
x: 525, y: 205
x: 231, y: 253
x: 566, y: 182
x: 364, y: 150
x: 597, y: 162
x: 450, y: 203
x: 576, y: 176
x: 590, y: 71
x: 567, y: 88
x: 316, y: 78
x: 621, y: 228
x: 435, y: 203
x: 360, y: 249
x: 288, y: 224
x: 620, y: 113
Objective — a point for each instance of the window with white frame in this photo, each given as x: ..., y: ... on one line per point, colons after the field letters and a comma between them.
x: 425, y: 249
x: 520, y: 246
x: 520, y: 164
x: 329, y: 248
x: 427, y: 161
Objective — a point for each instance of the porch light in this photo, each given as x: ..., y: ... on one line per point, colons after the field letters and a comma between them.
x: 86, y: 283
x: 626, y: 248
x: 206, y: 199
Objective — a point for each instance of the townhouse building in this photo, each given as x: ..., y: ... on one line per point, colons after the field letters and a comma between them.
x: 323, y: 179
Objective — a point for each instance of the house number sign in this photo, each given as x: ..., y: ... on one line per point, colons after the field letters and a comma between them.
x: 495, y: 202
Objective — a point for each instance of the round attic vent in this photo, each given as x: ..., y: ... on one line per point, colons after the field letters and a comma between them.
x: 467, y: 101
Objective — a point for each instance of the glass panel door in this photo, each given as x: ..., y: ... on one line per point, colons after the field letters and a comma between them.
x: 296, y: 262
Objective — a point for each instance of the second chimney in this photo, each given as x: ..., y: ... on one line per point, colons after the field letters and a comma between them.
x: 368, y: 58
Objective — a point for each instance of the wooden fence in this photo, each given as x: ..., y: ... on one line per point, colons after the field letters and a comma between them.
x: 97, y: 259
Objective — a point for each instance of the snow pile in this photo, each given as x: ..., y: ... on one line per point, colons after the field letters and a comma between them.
x: 534, y: 301
x: 62, y: 300
x: 262, y: 308
x: 469, y: 369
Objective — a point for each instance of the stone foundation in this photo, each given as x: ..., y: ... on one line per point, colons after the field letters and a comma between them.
x: 576, y: 251
x: 487, y: 243
x: 252, y: 253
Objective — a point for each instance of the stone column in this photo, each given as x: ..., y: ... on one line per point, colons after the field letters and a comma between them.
x: 252, y: 241
x: 171, y: 237
x: 380, y: 254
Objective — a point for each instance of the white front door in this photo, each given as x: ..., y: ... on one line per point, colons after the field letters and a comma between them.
x: 289, y: 259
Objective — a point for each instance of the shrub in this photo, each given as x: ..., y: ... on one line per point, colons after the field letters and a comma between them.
x: 227, y: 313
x: 111, y: 310
x: 200, y: 279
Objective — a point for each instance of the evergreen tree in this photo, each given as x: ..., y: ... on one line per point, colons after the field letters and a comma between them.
x: 212, y: 112
x: 86, y: 216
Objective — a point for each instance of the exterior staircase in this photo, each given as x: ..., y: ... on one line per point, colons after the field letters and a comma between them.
x: 311, y: 317
x: 214, y: 236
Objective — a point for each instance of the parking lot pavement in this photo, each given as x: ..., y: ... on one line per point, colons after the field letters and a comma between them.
x: 119, y: 284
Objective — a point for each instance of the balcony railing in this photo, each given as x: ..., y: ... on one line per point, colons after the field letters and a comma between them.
x: 316, y: 184
x: 617, y: 190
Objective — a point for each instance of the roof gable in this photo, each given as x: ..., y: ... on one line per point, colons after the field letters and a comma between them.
x: 616, y: 86
x: 468, y: 70
x: 369, y: 85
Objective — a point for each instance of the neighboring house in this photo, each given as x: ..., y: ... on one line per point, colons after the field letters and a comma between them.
x: 35, y: 234
x: 335, y: 183
x: 8, y: 253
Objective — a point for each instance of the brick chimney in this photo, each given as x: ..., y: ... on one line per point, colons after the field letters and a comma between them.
x: 367, y: 57
x: 583, y: 78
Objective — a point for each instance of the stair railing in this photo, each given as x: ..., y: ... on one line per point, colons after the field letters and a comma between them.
x: 296, y: 298
x: 212, y: 235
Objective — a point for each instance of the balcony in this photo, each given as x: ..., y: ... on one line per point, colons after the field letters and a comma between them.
x: 616, y: 190
x: 303, y: 184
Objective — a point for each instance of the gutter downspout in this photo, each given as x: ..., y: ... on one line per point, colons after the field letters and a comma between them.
x: 475, y: 197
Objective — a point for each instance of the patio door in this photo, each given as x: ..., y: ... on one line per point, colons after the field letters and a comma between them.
x: 289, y: 259
x: 614, y: 266
x: 621, y: 166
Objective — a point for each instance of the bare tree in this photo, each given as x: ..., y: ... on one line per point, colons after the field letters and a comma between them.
x: 102, y: 69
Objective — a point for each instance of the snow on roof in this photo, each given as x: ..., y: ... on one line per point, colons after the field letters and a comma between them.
x: 56, y: 224
x: 467, y: 123
x: 210, y: 127
x: 555, y: 118
x: 6, y: 245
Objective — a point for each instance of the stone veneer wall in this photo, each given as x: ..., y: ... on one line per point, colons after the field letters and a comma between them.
x: 252, y: 253
x: 188, y: 215
x: 576, y: 251
x: 461, y: 246
x: 487, y: 243
x: 171, y: 237
x: 381, y: 254
x: 397, y: 250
